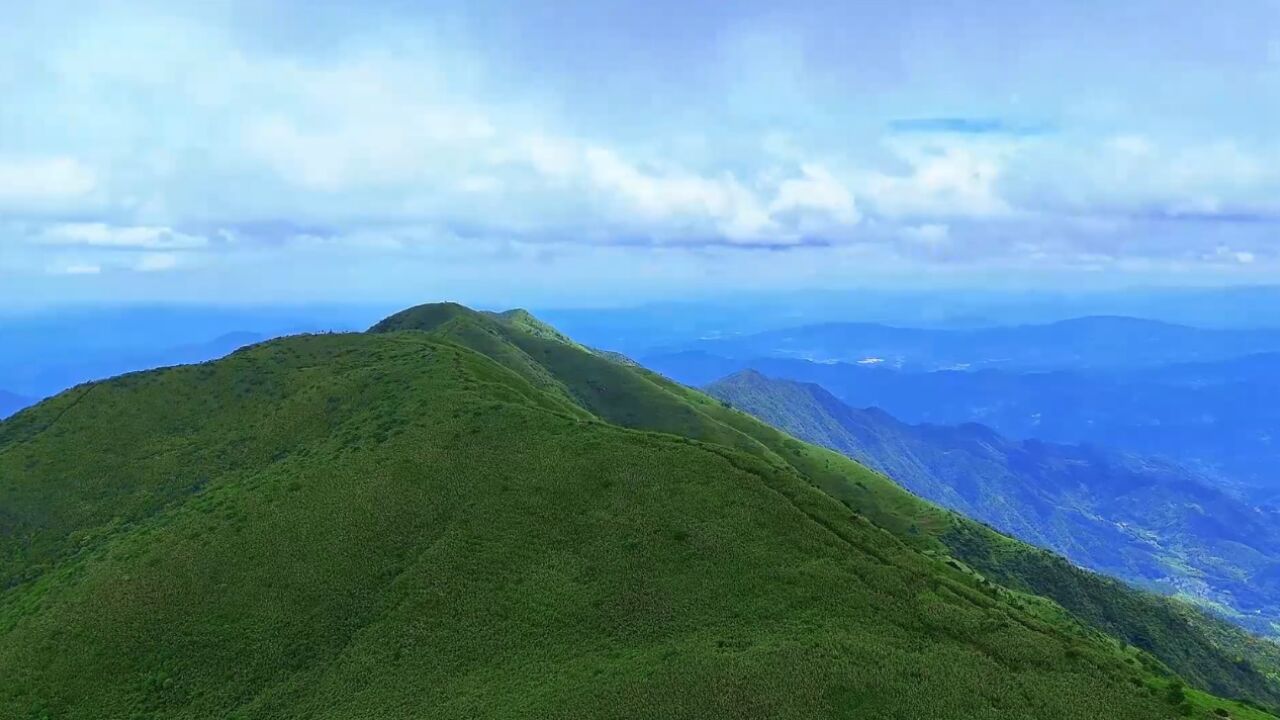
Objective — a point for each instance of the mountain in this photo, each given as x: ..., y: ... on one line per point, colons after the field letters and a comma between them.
x: 1081, y: 343
x: 645, y: 330
x: 698, y: 368
x: 11, y: 403
x: 1220, y: 418
x: 1143, y: 520
x: 455, y: 516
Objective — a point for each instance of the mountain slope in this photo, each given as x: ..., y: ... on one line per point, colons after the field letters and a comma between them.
x: 1143, y: 520
x: 1201, y: 648
x: 396, y: 524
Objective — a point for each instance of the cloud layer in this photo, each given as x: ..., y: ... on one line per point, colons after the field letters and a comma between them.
x: 209, y: 138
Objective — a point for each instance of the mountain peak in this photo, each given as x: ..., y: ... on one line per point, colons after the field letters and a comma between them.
x: 432, y: 316
x: 518, y: 315
x: 425, y: 317
x: 746, y: 375
x: 526, y: 321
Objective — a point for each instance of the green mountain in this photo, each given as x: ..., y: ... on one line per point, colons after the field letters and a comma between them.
x: 1144, y: 520
x: 456, y: 516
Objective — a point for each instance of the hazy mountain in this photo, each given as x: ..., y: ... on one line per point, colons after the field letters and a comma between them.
x: 1140, y: 519
x: 1079, y: 344
x: 1222, y: 418
x: 45, y: 353
x: 647, y: 329
x: 461, y: 515
x: 70, y: 369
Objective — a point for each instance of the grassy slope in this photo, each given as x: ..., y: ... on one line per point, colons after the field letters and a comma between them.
x: 396, y: 525
x: 1207, y: 651
x: 1211, y: 654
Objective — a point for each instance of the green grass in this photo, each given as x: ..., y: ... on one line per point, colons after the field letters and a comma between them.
x: 398, y: 525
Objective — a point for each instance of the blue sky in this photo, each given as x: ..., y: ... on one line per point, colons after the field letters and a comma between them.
x: 605, y: 151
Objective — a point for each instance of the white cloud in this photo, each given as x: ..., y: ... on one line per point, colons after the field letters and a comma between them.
x: 156, y: 262
x: 479, y: 184
x: 955, y: 179
x: 552, y: 157
x: 1137, y: 175
x: 1226, y: 254
x: 929, y: 234
x: 103, y: 235
x: 733, y: 210
x: 816, y: 189
x: 149, y: 124
x: 96, y: 263
x: 370, y: 121
x: 668, y: 201
x: 43, y: 180
x: 1132, y: 145
x: 77, y: 269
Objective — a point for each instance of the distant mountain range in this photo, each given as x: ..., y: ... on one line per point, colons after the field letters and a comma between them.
x: 1147, y: 521
x: 42, y: 354
x: 74, y: 368
x: 1222, y: 418
x: 648, y: 329
x: 1079, y: 344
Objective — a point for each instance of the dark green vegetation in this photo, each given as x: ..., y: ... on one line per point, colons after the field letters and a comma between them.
x: 458, y: 516
x: 1143, y: 520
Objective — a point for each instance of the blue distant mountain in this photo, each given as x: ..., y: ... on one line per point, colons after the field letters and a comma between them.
x: 664, y: 327
x: 1222, y: 418
x: 1083, y: 343
x: 43, y: 354
x: 69, y: 370
x: 1141, y: 519
x: 1208, y: 398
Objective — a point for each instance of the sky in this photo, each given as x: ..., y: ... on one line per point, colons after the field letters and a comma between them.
x: 603, y: 152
